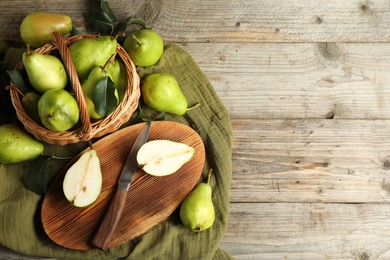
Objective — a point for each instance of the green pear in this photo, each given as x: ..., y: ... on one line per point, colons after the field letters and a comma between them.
x: 44, y: 71
x: 36, y: 28
x: 91, y: 108
x: 30, y: 104
x: 161, y: 92
x: 83, y: 180
x: 16, y: 145
x: 58, y: 110
x: 197, y: 210
x: 89, y: 53
x: 89, y: 86
x: 145, y: 47
x: 118, y: 74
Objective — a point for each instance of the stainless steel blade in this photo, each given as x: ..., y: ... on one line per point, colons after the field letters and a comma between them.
x: 131, y: 163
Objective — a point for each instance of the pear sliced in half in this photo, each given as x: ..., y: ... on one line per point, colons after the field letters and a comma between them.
x: 163, y: 157
x: 83, y: 181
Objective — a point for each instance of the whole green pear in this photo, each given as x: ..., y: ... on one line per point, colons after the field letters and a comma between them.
x: 44, y: 71
x: 58, y: 110
x: 118, y: 74
x: 197, y: 210
x: 36, y: 28
x: 16, y: 145
x: 89, y: 87
x: 89, y: 53
x: 145, y: 47
x: 161, y: 92
x: 30, y: 104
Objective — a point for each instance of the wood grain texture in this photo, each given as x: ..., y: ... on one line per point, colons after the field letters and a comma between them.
x: 306, y: 231
x: 75, y: 228
x: 298, y: 80
x: 338, y: 161
x: 232, y: 21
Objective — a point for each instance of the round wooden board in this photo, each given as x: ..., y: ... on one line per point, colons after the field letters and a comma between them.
x: 149, y: 201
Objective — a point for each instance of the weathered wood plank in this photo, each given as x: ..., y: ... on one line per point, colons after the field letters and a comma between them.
x: 298, y: 80
x: 232, y: 21
x: 342, y: 161
x: 308, y: 231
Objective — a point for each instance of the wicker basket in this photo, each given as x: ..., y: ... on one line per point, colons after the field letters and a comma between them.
x: 87, y: 130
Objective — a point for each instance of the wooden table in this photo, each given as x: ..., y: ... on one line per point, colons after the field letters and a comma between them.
x: 307, y: 86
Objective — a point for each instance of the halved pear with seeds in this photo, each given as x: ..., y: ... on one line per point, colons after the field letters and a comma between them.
x: 83, y: 180
x: 163, y: 157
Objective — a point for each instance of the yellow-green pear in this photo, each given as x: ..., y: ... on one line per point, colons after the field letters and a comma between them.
x: 91, y: 108
x: 58, y: 110
x: 36, y: 28
x: 83, y: 180
x: 16, y: 145
x: 118, y: 74
x: 89, y: 53
x: 161, y: 92
x: 44, y: 71
x: 197, y: 210
x: 145, y: 47
x: 89, y: 87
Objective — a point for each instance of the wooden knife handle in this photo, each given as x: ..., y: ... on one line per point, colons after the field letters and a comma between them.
x: 111, y: 220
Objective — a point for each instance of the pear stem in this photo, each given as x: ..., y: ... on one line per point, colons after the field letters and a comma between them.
x: 209, y: 176
x: 28, y: 52
x: 193, y: 107
x: 119, y: 34
x: 110, y: 60
x: 136, y: 39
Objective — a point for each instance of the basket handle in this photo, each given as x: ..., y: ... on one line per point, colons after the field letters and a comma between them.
x: 62, y: 45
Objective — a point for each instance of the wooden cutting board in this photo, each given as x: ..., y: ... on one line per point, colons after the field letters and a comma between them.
x: 149, y: 201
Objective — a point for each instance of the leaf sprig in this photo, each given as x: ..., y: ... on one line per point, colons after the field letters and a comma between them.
x: 102, y: 20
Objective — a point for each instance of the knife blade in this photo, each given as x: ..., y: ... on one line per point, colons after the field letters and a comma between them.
x: 113, y: 215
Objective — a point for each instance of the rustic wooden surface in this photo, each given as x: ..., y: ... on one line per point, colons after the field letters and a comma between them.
x: 307, y: 86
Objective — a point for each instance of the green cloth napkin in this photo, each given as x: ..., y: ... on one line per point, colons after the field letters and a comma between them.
x: 20, y: 225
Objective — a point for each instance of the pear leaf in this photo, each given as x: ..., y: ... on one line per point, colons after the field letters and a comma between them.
x: 144, y: 116
x: 105, y: 7
x: 19, y: 78
x: 101, y: 15
x: 121, y: 27
x: 101, y: 27
x: 12, y: 57
x: 104, y: 97
x: 37, y: 178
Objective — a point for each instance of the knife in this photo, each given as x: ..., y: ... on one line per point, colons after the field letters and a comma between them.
x: 113, y: 215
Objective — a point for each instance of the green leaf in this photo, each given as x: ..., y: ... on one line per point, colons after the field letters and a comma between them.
x: 19, y: 78
x: 100, y: 15
x: 37, y: 178
x: 151, y: 116
x: 137, y: 21
x: 104, y: 97
x: 12, y: 57
x: 105, y: 7
x: 121, y: 27
x: 100, y: 27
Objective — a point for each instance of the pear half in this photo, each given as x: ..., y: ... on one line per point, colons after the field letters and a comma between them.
x: 163, y: 157
x: 83, y: 181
